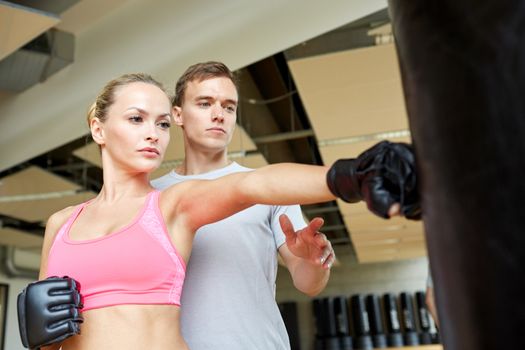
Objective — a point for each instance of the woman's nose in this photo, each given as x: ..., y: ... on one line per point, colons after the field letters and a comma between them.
x: 152, y: 133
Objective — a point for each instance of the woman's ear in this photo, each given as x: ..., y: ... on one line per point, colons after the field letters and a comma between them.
x: 177, y: 116
x: 97, y: 130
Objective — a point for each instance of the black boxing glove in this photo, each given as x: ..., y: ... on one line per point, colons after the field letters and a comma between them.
x: 49, y: 311
x: 381, y: 176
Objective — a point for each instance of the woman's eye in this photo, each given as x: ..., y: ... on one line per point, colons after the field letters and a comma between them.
x: 135, y: 118
x: 164, y: 125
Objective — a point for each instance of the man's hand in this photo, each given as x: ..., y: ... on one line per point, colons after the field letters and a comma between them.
x: 308, y: 243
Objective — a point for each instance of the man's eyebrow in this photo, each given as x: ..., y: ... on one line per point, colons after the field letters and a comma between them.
x: 207, y: 97
x: 203, y: 97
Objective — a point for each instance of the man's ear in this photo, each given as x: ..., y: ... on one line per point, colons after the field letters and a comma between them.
x: 97, y: 130
x: 177, y: 116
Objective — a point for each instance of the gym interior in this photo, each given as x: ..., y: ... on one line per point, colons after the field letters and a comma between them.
x: 319, y: 81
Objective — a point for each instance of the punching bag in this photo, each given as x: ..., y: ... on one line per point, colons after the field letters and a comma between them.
x: 463, y: 73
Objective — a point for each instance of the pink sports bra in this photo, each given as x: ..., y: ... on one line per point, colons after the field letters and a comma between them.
x: 137, y: 264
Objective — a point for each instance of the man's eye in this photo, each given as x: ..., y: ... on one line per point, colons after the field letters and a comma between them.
x: 230, y: 109
x: 204, y: 104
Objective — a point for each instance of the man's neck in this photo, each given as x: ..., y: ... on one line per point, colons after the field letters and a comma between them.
x: 200, y: 163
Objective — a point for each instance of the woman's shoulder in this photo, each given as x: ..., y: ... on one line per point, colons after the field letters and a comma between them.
x: 60, y: 217
x: 176, y: 198
x: 172, y: 192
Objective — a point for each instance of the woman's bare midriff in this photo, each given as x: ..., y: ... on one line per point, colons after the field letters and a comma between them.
x: 152, y: 327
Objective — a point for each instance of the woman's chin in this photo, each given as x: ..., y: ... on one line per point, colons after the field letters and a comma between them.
x: 147, y: 168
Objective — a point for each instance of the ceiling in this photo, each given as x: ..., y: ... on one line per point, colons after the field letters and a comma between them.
x: 318, y: 83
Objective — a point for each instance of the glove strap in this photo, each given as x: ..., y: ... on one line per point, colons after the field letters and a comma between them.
x: 342, y: 180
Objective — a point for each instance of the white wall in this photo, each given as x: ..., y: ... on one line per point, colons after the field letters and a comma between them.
x: 351, y: 278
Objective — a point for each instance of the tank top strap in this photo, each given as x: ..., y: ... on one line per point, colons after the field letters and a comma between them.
x: 65, y: 227
x: 152, y: 202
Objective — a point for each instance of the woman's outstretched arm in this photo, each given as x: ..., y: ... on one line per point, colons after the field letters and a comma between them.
x: 205, y: 201
x: 382, y: 176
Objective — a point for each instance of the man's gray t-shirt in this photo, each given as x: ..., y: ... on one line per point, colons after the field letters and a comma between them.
x: 228, y: 299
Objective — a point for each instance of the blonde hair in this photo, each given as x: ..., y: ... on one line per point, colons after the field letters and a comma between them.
x: 106, y: 97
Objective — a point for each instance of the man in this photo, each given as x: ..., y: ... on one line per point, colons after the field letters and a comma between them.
x: 228, y: 300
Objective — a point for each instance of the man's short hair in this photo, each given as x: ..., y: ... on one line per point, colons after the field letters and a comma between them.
x: 201, y: 71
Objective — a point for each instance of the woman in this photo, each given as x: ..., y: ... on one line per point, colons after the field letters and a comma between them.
x: 128, y: 246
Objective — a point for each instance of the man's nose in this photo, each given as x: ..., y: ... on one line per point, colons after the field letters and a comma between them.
x: 217, y: 113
